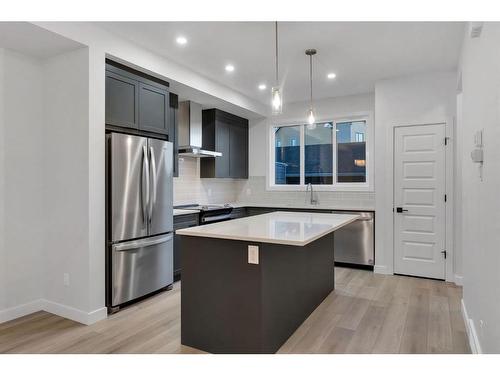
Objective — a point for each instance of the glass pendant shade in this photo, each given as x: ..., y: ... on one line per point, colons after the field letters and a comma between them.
x: 277, y: 100
x: 311, y: 120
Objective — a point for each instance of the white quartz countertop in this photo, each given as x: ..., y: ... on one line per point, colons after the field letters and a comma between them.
x: 303, y: 206
x: 178, y: 211
x: 287, y: 228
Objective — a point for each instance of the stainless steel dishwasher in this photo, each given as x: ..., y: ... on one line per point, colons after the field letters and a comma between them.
x: 355, y: 243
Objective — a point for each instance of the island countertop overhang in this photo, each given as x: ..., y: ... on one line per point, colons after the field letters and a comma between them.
x: 286, y: 228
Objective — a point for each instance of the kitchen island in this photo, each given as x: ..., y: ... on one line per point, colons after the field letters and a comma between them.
x: 248, y: 284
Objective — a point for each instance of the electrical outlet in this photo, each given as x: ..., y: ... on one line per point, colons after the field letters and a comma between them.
x: 209, y: 192
x: 253, y: 254
x: 66, y: 279
x: 249, y: 191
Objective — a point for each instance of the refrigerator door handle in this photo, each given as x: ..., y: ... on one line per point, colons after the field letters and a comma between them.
x: 145, y: 184
x: 142, y: 243
x: 152, y: 202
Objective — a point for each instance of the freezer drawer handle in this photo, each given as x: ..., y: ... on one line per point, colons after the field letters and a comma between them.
x: 142, y: 243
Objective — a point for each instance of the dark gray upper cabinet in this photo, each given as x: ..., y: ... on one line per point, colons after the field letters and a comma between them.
x: 228, y: 134
x: 153, y: 109
x: 122, y: 101
x: 238, y: 151
x: 172, y: 132
x: 222, y: 144
x: 136, y: 100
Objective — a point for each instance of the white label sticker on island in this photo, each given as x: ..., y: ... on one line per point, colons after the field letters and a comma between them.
x: 253, y: 254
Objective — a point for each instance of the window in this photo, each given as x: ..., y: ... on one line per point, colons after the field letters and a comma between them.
x: 287, y: 155
x: 351, y: 151
x: 318, y: 154
x: 331, y: 155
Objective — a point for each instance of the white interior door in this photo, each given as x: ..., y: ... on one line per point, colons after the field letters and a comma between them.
x: 419, y: 196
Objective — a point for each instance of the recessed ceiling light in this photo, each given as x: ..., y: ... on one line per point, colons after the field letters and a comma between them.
x: 262, y: 86
x: 229, y: 68
x: 181, y: 40
x: 331, y: 75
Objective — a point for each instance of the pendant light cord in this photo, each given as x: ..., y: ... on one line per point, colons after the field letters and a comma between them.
x: 311, y: 77
x: 276, y: 33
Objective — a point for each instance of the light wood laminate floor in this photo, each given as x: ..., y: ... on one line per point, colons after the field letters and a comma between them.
x: 366, y: 313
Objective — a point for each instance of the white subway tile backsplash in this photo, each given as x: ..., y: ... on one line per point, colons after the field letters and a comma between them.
x: 254, y: 190
x: 190, y: 188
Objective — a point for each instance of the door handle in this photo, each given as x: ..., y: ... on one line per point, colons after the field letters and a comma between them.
x: 152, y: 202
x: 400, y: 210
x: 142, y: 243
x: 145, y: 183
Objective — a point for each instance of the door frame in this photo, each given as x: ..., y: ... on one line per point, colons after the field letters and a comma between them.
x: 449, y: 125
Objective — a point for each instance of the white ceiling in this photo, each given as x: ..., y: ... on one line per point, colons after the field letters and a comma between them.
x: 360, y: 53
x: 34, y: 41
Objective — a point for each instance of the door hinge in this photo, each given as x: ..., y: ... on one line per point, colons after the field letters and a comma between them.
x: 446, y: 140
x: 444, y: 253
x: 445, y: 197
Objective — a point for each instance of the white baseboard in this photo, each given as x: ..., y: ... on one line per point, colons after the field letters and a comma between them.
x: 21, y: 310
x: 64, y: 311
x: 75, y: 314
x: 470, y: 327
x: 382, y: 270
x: 459, y: 280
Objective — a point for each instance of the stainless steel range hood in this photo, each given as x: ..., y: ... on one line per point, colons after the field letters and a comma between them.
x: 190, y: 132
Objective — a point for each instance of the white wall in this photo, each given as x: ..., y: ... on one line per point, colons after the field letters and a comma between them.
x: 22, y: 138
x: 2, y: 186
x: 46, y: 194
x: 418, y: 99
x: 254, y: 190
x: 66, y: 171
x: 481, y: 204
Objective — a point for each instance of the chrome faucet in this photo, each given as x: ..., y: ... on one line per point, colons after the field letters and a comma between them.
x: 312, y: 200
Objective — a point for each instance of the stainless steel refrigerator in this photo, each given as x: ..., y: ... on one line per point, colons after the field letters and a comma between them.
x: 140, y: 217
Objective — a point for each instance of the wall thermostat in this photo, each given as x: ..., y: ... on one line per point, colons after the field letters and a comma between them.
x: 477, y: 155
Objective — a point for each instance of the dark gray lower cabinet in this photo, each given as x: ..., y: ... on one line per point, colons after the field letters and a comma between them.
x: 238, y: 212
x: 180, y: 222
x: 252, y: 211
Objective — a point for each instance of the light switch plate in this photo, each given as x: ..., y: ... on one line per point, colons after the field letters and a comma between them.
x: 253, y: 254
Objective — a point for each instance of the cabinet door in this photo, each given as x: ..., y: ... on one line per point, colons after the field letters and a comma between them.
x: 222, y: 140
x: 172, y: 133
x: 122, y: 95
x: 180, y: 222
x: 238, y: 152
x: 153, y: 109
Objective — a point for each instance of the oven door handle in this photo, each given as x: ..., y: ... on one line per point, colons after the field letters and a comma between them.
x: 211, y: 219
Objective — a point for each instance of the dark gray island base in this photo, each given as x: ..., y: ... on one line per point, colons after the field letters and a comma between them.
x: 231, y: 306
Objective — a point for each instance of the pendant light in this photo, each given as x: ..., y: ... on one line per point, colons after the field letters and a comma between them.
x: 311, y: 119
x: 276, y: 95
